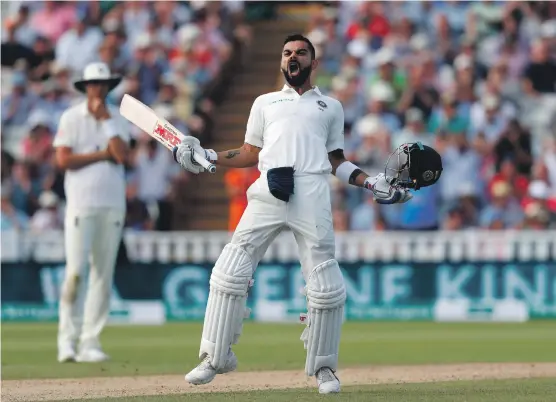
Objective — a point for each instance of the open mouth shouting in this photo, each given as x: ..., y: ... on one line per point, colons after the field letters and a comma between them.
x: 293, y: 68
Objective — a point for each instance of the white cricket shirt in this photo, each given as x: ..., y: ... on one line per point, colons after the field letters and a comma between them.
x: 101, y: 184
x: 296, y: 130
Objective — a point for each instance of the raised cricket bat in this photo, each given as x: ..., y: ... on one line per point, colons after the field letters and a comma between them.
x: 160, y: 129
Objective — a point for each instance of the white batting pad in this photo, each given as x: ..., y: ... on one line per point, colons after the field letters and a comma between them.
x: 326, y: 297
x: 226, y: 307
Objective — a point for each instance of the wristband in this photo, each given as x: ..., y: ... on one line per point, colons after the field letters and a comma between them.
x: 109, y: 128
x: 347, y: 172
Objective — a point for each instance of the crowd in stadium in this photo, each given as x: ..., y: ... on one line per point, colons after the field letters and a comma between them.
x: 474, y: 80
x: 172, y: 56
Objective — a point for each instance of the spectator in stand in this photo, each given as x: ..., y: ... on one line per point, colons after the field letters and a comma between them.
x: 25, y: 187
x: 454, y: 218
x: 18, y: 104
x: 536, y: 217
x: 149, y: 67
x: 47, y: 217
x: 340, y: 220
x: 413, y: 131
x: 21, y: 27
x: 491, y: 123
x: 37, y: 146
x: 374, y: 148
x: 55, y: 18
x: 387, y: 72
x: 504, y: 212
x: 539, y: 193
x: 237, y: 183
x: 418, y: 93
x: 508, y: 173
x: 82, y: 39
x: 11, y: 218
x: 423, y: 214
x: 540, y: 74
x: 447, y: 119
x: 381, y: 97
x: 155, y: 175
x: 514, y: 142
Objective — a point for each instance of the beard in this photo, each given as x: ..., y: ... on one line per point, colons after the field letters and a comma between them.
x: 300, y: 75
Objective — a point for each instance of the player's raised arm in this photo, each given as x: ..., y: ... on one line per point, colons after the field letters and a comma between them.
x: 245, y: 156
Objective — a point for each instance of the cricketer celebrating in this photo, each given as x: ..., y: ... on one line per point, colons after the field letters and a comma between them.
x: 296, y: 137
x: 91, y: 146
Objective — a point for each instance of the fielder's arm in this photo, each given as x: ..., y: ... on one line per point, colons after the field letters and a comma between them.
x: 67, y: 160
x: 118, y: 150
x: 246, y: 156
x: 356, y: 178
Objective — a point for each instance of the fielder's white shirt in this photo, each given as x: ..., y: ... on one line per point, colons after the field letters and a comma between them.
x: 296, y: 130
x: 101, y: 184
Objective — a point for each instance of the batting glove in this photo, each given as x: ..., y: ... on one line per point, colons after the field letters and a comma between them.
x: 385, y: 191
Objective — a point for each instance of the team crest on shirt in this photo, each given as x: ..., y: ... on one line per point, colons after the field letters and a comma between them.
x: 322, y: 105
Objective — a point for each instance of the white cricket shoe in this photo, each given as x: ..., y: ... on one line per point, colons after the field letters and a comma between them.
x: 205, y: 373
x: 327, y: 381
x: 66, y: 354
x: 92, y: 355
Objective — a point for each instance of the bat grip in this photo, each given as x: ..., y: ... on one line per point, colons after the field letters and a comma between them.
x: 210, y: 167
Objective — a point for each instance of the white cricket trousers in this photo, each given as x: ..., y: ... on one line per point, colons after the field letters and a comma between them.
x: 307, y: 213
x: 92, y: 239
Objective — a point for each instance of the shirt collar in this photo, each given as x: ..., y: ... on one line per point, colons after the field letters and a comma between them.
x: 315, y: 89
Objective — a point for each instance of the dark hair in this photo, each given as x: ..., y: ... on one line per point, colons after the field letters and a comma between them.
x: 299, y: 37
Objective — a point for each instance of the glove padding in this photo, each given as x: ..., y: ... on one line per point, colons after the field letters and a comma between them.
x: 183, y: 154
x: 385, y: 191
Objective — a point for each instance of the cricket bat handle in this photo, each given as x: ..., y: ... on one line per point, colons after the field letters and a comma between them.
x: 210, y: 167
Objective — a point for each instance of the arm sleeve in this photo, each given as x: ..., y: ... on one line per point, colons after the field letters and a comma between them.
x: 124, y: 128
x: 65, y: 136
x: 255, y: 125
x: 336, y: 133
x: 117, y: 125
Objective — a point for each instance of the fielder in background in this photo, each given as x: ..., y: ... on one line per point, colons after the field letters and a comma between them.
x: 91, y: 146
x: 296, y: 136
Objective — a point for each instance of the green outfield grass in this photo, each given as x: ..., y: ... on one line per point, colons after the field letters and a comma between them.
x: 29, y: 350
x: 531, y: 390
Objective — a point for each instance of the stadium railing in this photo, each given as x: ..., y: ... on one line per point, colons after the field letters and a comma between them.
x: 203, y: 246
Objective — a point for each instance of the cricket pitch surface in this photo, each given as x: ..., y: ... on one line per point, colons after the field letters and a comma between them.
x: 113, y: 387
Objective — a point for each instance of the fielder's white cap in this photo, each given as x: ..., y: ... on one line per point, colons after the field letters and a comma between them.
x: 97, y: 72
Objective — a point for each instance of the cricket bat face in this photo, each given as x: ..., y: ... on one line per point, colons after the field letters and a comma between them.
x: 146, y: 119
x: 160, y: 129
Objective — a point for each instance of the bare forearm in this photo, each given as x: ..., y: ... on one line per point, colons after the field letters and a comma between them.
x: 243, y: 157
x: 118, y: 150
x: 78, y: 161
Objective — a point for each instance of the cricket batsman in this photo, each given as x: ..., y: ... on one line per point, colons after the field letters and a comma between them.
x: 91, y: 146
x: 296, y: 137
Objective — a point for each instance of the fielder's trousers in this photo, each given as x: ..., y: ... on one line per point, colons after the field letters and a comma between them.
x: 92, y: 240
x: 307, y: 213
